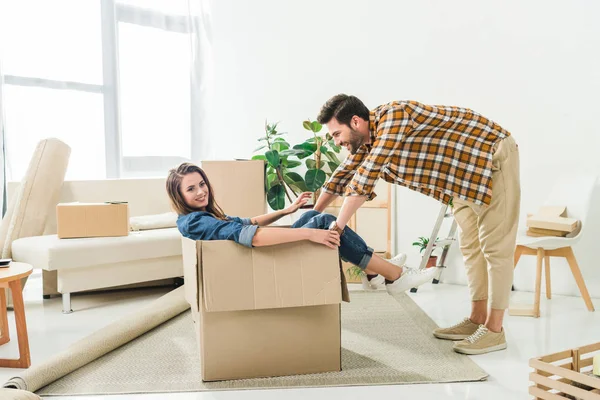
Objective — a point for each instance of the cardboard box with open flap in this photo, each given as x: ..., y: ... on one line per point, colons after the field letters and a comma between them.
x: 263, y: 312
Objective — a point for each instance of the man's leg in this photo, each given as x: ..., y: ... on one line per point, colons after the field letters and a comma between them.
x: 498, y: 225
x: 475, y: 263
x: 497, y: 235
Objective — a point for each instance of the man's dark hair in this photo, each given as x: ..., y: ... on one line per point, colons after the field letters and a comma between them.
x: 343, y: 107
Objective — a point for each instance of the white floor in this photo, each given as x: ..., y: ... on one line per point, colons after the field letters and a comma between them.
x: 565, y: 323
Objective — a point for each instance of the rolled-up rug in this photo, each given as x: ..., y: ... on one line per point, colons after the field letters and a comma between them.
x: 101, y: 342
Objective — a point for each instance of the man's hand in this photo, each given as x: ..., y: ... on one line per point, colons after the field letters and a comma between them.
x: 351, y: 204
x: 299, y: 202
x: 330, y: 239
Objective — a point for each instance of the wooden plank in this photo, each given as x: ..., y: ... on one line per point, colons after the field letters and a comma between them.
x: 521, y: 310
x: 563, y: 387
x: 556, y: 356
x: 565, y: 373
x: 575, y: 356
x: 586, y: 362
x: 538, y: 283
x: 568, y: 366
x: 542, y: 394
x: 589, y: 348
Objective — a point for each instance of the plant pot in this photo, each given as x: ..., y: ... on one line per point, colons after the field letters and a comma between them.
x: 432, y: 262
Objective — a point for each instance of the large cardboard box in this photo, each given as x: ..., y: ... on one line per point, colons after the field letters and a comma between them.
x: 82, y: 220
x: 239, y: 186
x: 265, y: 311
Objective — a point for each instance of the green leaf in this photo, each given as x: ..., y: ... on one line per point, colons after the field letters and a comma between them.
x: 306, y: 147
x: 273, y: 158
x: 323, y: 149
x: 316, y: 126
x: 291, y: 152
x: 333, y: 146
x: 293, y: 164
x: 272, y: 179
x: 306, y: 125
x: 280, y: 146
x: 332, y: 157
x: 259, y: 148
x: 311, y: 140
x: 276, y: 197
x: 259, y: 157
x: 315, y: 178
x: 294, y: 179
x: 332, y: 166
x: 312, y: 164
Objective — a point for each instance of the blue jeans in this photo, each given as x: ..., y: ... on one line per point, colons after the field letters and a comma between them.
x: 352, y: 248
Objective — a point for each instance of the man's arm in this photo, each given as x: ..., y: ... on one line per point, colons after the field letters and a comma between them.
x: 392, y: 126
x: 339, y: 179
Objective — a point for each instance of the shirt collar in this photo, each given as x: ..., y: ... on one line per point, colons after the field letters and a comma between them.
x: 372, y: 130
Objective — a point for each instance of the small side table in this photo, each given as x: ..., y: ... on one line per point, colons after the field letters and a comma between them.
x: 11, y: 278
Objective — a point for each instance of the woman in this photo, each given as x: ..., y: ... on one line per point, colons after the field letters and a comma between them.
x: 201, y: 218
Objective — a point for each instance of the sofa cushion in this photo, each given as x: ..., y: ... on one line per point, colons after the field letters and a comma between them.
x: 51, y: 253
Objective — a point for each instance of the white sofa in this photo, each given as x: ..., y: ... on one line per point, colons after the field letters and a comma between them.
x: 75, y: 265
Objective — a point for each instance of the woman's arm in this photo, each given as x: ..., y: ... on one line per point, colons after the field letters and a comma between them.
x: 267, y: 219
x: 271, y: 236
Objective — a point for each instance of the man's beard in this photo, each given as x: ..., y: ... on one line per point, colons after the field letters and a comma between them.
x: 356, y: 140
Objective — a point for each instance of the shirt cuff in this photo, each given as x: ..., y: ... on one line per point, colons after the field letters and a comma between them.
x: 247, y: 234
x: 332, y: 188
x: 353, y: 191
x: 246, y: 221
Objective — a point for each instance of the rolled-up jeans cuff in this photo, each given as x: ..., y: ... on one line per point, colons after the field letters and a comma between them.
x: 366, y: 259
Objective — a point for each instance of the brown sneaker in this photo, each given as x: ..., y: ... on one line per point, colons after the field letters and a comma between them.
x: 481, y: 342
x: 459, y: 331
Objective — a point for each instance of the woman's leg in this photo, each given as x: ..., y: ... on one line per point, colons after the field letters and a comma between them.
x: 353, y: 248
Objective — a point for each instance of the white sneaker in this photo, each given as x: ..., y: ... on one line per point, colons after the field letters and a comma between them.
x: 411, y: 278
x: 373, y: 284
x: 399, y: 259
x: 379, y: 281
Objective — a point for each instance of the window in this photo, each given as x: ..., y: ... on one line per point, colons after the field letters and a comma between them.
x: 109, y: 78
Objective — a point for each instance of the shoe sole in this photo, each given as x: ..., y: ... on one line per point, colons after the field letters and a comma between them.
x: 474, y: 352
x: 447, y: 336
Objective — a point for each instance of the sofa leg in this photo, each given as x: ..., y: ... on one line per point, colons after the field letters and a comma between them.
x: 66, y: 303
x: 46, y: 296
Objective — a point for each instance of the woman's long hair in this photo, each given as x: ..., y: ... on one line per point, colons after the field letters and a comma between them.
x: 174, y: 191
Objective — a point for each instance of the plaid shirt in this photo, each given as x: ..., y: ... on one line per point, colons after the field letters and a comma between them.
x: 440, y: 151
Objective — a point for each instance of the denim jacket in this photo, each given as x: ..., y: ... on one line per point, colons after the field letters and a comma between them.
x: 202, y: 225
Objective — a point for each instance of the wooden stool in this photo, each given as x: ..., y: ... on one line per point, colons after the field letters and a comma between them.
x: 11, y: 278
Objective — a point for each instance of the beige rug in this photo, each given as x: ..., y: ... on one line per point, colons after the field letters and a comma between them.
x: 384, y: 342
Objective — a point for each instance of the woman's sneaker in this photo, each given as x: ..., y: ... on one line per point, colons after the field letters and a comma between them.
x: 374, y: 283
x: 410, y: 278
x: 370, y: 283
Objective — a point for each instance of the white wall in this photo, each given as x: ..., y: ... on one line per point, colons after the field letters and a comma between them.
x: 533, y: 67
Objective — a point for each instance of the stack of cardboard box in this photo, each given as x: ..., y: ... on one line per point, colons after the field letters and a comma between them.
x: 551, y: 221
x: 263, y: 311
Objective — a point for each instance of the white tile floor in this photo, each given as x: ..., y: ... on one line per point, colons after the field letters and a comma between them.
x: 565, y: 323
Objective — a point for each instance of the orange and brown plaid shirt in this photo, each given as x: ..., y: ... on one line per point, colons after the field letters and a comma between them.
x: 440, y: 151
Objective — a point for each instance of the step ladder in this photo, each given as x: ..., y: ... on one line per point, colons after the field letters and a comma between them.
x: 445, y: 243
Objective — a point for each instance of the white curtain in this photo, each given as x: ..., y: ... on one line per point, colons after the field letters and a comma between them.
x: 111, y: 78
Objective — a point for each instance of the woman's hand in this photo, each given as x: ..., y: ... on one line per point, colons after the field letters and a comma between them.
x: 300, y: 201
x: 329, y: 238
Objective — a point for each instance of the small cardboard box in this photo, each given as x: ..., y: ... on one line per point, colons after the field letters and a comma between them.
x: 83, y: 220
x: 239, y: 186
x: 266, y: 311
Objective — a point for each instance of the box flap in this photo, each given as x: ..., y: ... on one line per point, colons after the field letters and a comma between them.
x: 192, y: 253
x: 249, y: 186
x: 288, y: 275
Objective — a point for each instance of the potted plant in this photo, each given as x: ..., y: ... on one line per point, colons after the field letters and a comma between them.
x: 279, y: 179
x: 422, y: 245
x: 324, y: 160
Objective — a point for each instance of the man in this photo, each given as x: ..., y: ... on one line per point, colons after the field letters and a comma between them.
x: 448, y: 153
